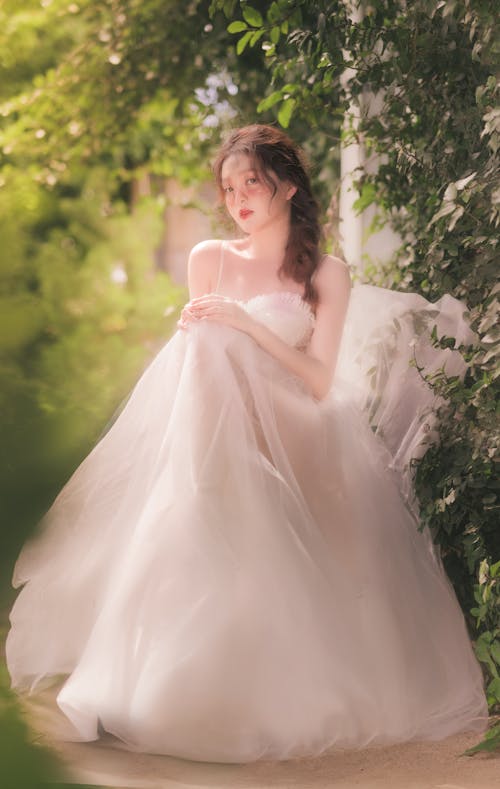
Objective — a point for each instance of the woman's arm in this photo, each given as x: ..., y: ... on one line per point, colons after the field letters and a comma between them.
x: 316, y: 366
x: 203, y: 267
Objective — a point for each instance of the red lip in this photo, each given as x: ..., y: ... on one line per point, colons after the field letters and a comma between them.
x: 245, y: 213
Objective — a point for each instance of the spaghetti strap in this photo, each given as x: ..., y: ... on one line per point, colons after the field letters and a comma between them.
x: 221, y: 266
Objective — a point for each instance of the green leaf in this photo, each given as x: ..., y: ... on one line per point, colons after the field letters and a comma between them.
x: 285, y: 112
x: 237, y: 27
x: 495, y: 569
x: 269, y: 101
x: 252, y: 16
x: 275, y: 35
x: 273, y: 13
x: 493, y: 691
x: 243, y: 41
x: 366, y: 197
x: 495, y: 652
x: 256, y: 35
x: 491, y: 742
x: 483, y: 652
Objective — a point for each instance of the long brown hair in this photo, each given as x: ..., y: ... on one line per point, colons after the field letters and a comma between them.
x: 273, y: 152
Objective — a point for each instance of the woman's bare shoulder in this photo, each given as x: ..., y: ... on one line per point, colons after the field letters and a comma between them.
x: 206, y: 250
x: 332, y: 273
x: 203, y: 266
x: 205, y: 255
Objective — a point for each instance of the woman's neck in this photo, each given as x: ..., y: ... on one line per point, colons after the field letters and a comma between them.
x: 269, y: 243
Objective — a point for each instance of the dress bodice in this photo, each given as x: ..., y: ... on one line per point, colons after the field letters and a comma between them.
x: 285, y: 313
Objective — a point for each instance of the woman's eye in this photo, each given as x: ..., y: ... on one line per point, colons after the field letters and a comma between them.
x: 251, y: 180
x: 228, y: 189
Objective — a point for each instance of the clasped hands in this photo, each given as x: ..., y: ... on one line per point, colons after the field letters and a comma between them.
x: 213, y: 307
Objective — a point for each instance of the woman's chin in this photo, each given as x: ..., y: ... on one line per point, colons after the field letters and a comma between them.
x: 243, y: 226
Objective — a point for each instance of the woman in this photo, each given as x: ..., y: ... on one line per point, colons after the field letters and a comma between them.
x: 234, y: 573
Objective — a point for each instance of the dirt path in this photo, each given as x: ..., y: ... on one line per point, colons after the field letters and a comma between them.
x: 409, y: 766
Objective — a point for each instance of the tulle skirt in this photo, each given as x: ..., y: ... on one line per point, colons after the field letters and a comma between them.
x: 236, y: 572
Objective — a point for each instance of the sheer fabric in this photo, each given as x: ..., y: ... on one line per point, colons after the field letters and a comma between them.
x: 235, y: 571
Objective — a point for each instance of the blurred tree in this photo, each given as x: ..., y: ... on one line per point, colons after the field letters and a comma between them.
x: 81, y: 304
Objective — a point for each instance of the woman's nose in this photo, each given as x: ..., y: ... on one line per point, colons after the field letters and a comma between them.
x: 241, y: 196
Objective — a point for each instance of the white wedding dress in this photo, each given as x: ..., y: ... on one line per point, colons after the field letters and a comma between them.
x: 235, y: 571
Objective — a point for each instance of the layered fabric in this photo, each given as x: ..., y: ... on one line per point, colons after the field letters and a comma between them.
x: 236, y: 572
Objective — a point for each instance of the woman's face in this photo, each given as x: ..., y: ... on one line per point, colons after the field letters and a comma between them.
x: 249, y: 199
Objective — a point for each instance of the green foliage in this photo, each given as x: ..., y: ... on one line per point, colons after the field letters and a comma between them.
x: 87, y: 93
x: 302, y: 73
x: 24, y: 762
x: 490, y: 743
x: 24, y: 765
x: 82, y: 304
x: 457, y: 479
x: 82, y: 309
x: 487, y: 613
x: 120, y: 83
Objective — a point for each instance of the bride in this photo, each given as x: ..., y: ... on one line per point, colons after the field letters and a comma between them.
x: 236, y: 572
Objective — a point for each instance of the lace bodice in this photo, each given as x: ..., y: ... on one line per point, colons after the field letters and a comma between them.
x: 285, y: 313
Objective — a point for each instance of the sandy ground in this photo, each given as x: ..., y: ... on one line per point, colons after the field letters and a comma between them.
x: 422, y: 765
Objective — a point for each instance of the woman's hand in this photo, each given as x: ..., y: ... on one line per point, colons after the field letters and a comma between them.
x: 213, y: 307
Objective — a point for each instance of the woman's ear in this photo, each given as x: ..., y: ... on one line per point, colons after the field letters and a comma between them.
x: 291, y: 191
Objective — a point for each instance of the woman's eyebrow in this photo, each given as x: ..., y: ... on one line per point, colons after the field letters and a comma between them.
x: 227, y: 178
